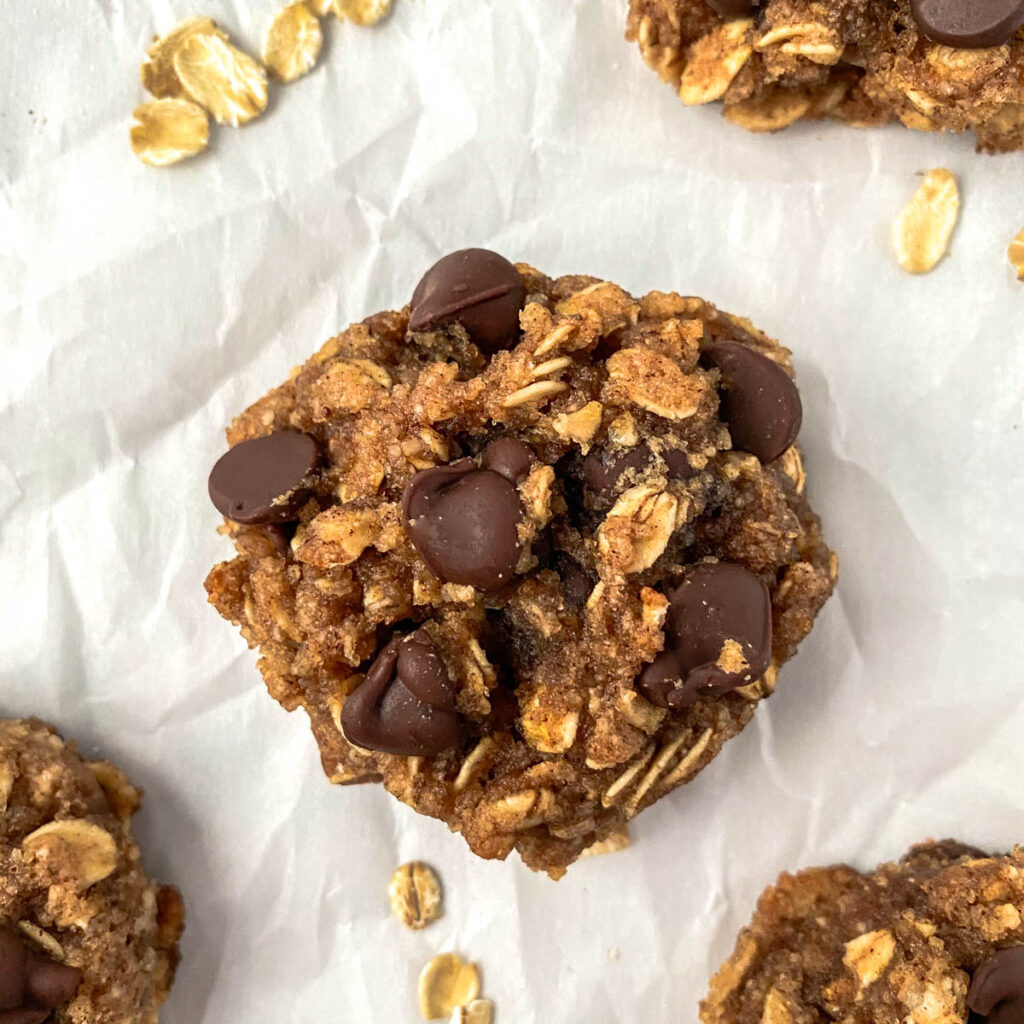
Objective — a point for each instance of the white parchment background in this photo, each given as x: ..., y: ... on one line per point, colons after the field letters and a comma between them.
x: 140, y: 309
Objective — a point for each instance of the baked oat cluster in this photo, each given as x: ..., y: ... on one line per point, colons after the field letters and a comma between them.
x: 528, y: 551
x: 934, y: 65
x: 936, y: 938
x: 85, y: 936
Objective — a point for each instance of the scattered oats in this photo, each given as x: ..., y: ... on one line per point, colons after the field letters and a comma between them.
x: 921, y: 233
x: 445, y: 983
x: 72, y: 846
x: 362, y: 12
x: 479, y: 1011
x: 292, y: 42
x: 415, y: 895
x: 220, y: 77
x: 1016, y: 254
x: 157, y: 70
x: 169, y: 130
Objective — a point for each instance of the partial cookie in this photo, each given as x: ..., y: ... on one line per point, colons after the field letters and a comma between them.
x: 528, y: 551
x: 934, y: 65
x: 85, y: 936
x: 920, y: 941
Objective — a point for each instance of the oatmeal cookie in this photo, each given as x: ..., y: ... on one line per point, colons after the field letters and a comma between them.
x: 85, y: 936
x: 527, y: 551
x: 922, y: 941
x: 934, y: 65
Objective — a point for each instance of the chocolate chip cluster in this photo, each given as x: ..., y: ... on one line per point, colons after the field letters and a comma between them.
x: 528, y: 534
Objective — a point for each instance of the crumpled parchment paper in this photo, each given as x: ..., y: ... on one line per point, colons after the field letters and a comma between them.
x: 140, y: 309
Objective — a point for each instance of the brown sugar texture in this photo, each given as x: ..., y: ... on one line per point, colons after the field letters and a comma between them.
x: 529, y: 583
x: 863, y: 62
x: 922, y: 940
x: 84, y: 932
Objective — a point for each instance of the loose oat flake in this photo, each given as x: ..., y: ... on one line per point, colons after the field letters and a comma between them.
x: 157, y: 70
x: 292, y: 42
x: 921, y: 233
x: 447, y: 982
x: 415, y: 895
x: 221, y: 78
x: 362, y: 12
x: 169, y: 130
x: 479, y: 1011
x: 1016, y: 254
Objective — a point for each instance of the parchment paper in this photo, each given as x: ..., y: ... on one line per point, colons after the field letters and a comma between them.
x: 140, y: 309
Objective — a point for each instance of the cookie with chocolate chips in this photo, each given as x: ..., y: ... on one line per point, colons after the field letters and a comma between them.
x: 85, y: 936
x: 528, y: 551
x: 936, y: 937
x: 933, y: 65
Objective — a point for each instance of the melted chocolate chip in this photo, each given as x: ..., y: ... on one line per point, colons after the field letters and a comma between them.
x: 406, y: 703
x: 968, y: 24
x: 463, y: 521
x: 760, y: 402
x: 734, y: 8
x: 718, y: 636
x: 265, y: 480
x: 603, y: 471
x: 477, y: 288
x: 997, y: 988
x: 31, y: 985
x: 509, y: 457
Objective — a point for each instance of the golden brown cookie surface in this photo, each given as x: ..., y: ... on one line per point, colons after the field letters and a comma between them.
x: 531, y: 586
x: 864, y: 62
x: 83, y: 930
x: 920, y: 940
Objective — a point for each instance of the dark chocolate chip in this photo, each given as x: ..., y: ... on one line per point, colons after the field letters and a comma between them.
x: 509, y: 457
x: 760, y: 402
x: 464, y: 522
x: 603, y: 471
x: 13, y: 959
x: 997, y: 988
x: 479, y: 289
x: 48, y: 983
x: 31, y: 985
x: 968, y: 24
x: 25, y: 1015
x: 406, y: 703
x: 734, y: 8
x: 715, y: 603
x: 266, y: 479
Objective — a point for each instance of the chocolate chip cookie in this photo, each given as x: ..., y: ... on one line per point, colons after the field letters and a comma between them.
x: 527, y: 551
x: 85, y: 936
x: 936, y: 938
x: 934, y: 65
